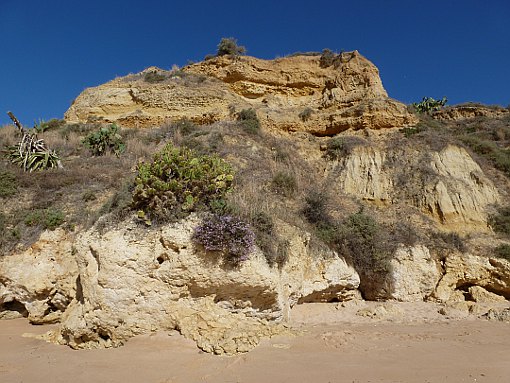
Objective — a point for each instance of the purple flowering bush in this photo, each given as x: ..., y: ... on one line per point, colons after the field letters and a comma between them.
x: 227, y: 234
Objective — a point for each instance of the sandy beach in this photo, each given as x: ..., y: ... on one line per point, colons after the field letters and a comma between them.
x: 327, y: 343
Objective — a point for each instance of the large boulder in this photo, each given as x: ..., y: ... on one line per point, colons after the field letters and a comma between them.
x: 134, y: 280
x: 39, y: 282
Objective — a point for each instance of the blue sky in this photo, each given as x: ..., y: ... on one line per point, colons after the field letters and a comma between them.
x: 51, y: 50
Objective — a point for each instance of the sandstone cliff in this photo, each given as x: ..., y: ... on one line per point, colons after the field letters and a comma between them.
x: 423, y: 186
x: 349, y: 95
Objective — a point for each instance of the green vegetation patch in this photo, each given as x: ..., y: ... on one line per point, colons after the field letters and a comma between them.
x: 46, y: 218
x: 500, y: 221
x: 8, y: 184
x: 249, y: 121
x: 104, y: 140
x: 178, y: 181
x: 503, y: 251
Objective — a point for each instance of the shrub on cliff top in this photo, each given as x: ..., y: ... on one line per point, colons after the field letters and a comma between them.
x: 178, y: 181
x: 228, y: 46
x: 227, y: 234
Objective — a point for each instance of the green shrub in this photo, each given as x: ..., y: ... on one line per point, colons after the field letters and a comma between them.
x: 329, y: 58
x: 409, y: 132
x: 8, y: 184
x: 274, y: 248
x: 361, y: 238
x: 185, y: 126
x: 154, y: 77
x: 503, y: 251
x: 306, y: 114
x: 52, y: 124
x: 178, y: 181
x: 46, y: 218
x: 284, y: 183
x: 106, y: 139
x: 500, y: 157
x: 118, y: 206
x: 228, y: 46
x: 368, y: 245
x: 249, y: 121
x: 338, y: 147
x: 315, y: 209
x: 263, y: 222
x: 9, y: 235
x: 500, y: 222
x: 452, y: 241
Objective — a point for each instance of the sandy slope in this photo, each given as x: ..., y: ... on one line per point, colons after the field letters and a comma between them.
x: 396, y: 343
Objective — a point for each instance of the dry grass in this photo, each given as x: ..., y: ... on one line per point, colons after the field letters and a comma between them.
x: 273, y: 176
x: 83, y: 190
x: 8, y: 136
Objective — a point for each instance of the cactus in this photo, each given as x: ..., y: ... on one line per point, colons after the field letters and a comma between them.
x: 104, y: 140
x: 179, y: 181
x: 428, y: 104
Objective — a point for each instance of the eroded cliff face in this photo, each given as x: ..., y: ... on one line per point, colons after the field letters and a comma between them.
x: 132, y: 280
x: 470, y: 111
x: 343, y: 96
x: 40, y: 282
x: 106, y: 285
x: 110, y: 286
x: 446, y: 184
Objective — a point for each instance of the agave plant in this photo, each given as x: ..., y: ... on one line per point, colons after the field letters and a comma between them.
x: 31, y: 152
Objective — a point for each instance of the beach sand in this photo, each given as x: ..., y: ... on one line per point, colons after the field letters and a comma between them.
x: 328, y: 343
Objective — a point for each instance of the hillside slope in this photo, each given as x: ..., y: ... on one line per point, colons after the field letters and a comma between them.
x: 348, y: 195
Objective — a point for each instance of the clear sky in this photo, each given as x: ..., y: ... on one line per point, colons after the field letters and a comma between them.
x: 53, y: 49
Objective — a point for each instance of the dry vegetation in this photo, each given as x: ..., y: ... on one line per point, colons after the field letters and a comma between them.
x: 276, y: 180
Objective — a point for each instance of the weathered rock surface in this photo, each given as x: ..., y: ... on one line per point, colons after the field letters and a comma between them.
x: 462, y: 193
x: 132, y: 102
x: 350, y: 95
x: 133, y: 280
x: 463, y: 271
x: 413, y: 275
x: 467, y: 111
x: 447, y: 184
x: 41, y: 281
x: 364, y: 175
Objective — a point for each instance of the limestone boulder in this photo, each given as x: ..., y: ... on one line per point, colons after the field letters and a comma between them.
x: 462, y: 272
x: 135, y: 280
x: 413, y: 274
x: 39, y: 282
